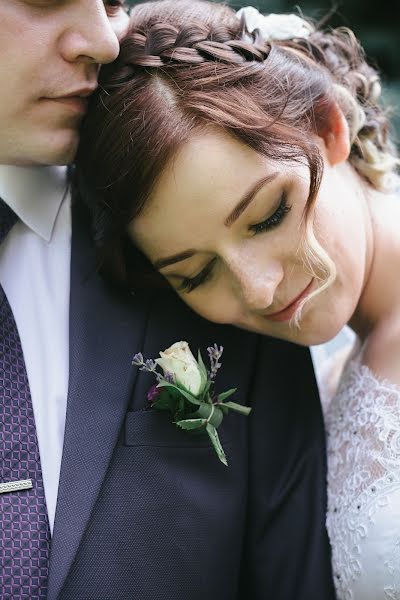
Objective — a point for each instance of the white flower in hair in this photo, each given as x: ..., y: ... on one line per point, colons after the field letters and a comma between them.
x: 275, y: 27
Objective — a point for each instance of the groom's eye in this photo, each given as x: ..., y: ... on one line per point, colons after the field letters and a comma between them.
x: 188, y: 284
x: 115, y: 4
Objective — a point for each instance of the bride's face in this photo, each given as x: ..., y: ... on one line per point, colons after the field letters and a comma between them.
x: 224, y: 226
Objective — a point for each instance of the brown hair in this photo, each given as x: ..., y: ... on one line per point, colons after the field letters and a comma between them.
x: 190, y: 64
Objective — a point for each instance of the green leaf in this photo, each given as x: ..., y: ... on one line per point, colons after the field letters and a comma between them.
x: 213, y: 435
x: 189, y: 424
x: 243, y: 410
x: 207, y: 388
x: 225, y: 395
x: 203, y: 372
x: 184, y: 393
x: 179, y: 415
x: 181, y: 402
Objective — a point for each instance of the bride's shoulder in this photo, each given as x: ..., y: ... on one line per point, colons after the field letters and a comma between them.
x: 381, y: 351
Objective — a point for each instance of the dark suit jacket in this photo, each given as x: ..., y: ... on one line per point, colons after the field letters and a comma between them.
x: 147, y: 512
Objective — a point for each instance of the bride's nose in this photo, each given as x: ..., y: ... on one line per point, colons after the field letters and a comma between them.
x: 257, y: 284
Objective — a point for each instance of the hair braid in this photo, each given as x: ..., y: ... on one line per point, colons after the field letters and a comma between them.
x: 165, y: 46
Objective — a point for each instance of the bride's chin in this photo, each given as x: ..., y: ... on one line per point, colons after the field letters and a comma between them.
x: 307, y: 333
x: 314, y: 336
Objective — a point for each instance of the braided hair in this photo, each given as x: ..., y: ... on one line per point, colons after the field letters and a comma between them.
x: 187, y: 65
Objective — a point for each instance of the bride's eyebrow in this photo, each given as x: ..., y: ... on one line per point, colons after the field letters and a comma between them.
x: 248, y: 198
x: 170, y: 260
x: 241, y: 206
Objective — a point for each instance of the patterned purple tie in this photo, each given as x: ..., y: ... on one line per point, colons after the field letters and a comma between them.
x: 24, y: 526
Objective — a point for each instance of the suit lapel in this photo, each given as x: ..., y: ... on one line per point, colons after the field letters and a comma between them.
x: 105, y: 332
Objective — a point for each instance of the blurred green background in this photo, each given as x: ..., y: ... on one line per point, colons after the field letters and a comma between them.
x: 376, y: 24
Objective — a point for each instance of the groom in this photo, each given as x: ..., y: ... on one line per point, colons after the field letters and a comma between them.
x: 101, y: 499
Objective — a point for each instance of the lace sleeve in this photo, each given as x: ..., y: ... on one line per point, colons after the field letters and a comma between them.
x: 363, y: 441
x: 363, y: 428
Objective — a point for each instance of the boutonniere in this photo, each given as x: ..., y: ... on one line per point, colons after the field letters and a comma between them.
x: 185, y: 388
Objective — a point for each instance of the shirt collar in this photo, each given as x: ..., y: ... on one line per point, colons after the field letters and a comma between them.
x: 35, y: 194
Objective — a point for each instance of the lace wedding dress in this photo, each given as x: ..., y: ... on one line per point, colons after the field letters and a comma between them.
x: 363, y: 427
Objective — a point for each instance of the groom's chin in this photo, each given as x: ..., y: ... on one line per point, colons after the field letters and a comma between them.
x: 62, y: 150
x: 55, y: 148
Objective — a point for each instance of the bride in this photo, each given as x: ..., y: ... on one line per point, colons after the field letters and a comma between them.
x: 250, y: 163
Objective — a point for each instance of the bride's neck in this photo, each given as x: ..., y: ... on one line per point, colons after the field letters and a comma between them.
x: 379, y: 302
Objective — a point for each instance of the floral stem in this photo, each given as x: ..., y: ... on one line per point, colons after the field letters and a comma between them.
x: 211, y: 413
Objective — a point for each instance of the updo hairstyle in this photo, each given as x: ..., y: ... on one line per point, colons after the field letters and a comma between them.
x: 186, y: 65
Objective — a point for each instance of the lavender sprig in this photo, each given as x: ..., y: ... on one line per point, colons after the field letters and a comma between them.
x: 150, y: 366
x: 214, y: 354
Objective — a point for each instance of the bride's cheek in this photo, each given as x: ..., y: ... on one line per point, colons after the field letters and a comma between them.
x: 205, y: 305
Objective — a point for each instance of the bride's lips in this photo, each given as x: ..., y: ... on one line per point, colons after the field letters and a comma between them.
x: 287, y: 313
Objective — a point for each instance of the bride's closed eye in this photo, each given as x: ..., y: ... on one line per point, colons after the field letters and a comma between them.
x: 189, y: 284
x: 275, y: 219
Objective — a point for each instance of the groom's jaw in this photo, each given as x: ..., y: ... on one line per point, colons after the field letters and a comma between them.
x: 50, y: 54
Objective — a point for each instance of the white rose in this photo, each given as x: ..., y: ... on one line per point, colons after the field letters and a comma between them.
x: 275, y: 27
x: 181, y: 364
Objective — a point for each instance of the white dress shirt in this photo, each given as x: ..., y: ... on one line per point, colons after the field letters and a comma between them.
x: 35, y: 275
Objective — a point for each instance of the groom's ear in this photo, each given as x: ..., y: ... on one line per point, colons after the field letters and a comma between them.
x: 335, y: 136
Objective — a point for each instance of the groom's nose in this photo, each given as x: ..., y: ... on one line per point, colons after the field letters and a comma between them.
x: 92, y: 35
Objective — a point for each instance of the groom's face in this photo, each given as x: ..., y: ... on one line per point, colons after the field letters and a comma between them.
x: 50, y: 52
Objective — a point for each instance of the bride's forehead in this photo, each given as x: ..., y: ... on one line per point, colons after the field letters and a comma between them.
x: 209, y: 168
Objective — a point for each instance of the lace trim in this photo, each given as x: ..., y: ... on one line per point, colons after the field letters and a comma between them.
x: 363, y: 442
x: 392, y: 564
